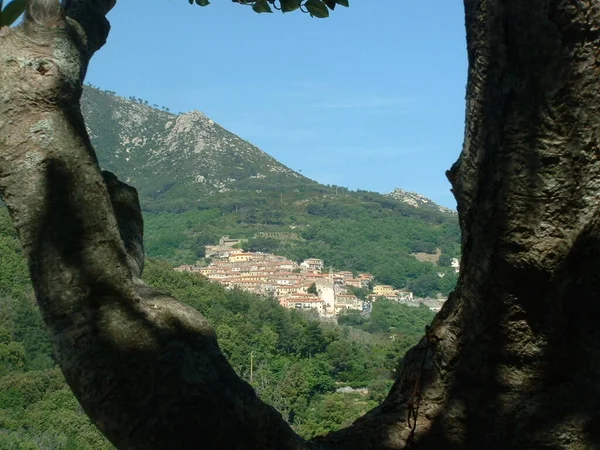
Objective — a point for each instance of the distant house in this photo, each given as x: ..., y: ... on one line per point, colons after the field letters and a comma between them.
x: 404, y: 296
x: 383, y: 290
x: 282, y: 291
x: 455, y: 264
x: 241, y: 257
x: 314, y: 264
x: 355, y: 282
x: 303, y: 301
x: 347, y: 301
x: 287, y: 265
x: 346, y: 275
x: 313, y: 277
x: 223, y: 249
x: 218, y: 275
x: 336, y: 278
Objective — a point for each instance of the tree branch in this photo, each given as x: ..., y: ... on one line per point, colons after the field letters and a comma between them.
x: 91, y: 16
x: 145, y: 368
x: 126, y: 206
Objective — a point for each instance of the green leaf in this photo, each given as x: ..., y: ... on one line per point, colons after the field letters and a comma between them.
x: 289, y: 5
x: 343, y: 3
x: 317, y: 8
x: 262, y: 6
x: 330, y: 4
x: 12, y: 12
x: 202, y: 2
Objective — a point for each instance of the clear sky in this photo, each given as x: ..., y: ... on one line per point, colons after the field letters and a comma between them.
x: 370, y: 98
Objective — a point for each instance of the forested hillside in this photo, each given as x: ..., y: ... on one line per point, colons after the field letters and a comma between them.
x: 298, y: 363
x: 364, y: 234
x: 198, y: 182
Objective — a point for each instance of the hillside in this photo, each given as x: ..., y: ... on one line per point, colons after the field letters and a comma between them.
x: 418, y: 200
x: 178, y: 160
x: 299, y: 363
x: 198, y: 181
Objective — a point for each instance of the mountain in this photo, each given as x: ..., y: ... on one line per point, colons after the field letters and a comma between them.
x: 198, y: 182
x: 170, y: 157
x: 418, y: 200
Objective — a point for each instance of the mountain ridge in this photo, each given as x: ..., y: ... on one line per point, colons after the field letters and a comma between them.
x: 174, y: 137
x: 198, y: 182
x: 157, y: 150
x: 418, y: 200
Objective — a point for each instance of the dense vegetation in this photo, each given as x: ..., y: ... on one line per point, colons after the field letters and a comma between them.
x: 298, y: 363
x: 362, y: 232
x: 198, y: 181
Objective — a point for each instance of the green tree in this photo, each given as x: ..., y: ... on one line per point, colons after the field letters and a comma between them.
x: 351, y: 317
x: 444, y: 260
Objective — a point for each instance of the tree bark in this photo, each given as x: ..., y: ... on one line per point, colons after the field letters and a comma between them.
x: 513, y: 359
x: 511, y: 362
x: 145, y: 368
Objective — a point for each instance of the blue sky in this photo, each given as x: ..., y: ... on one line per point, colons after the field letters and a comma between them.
x: 370, y: 98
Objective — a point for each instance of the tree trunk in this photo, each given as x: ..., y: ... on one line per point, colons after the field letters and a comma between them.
x: 511, y: 362
x: 513, y: 359
x: 145, y: 368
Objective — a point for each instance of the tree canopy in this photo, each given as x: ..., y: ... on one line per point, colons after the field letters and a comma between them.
x: 316, y: 8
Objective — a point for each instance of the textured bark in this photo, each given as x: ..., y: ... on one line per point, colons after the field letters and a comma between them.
x: 514, y: 356
x: 146, y: 368
x: 511, y: 362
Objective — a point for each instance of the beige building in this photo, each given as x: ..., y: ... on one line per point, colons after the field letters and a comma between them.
x: 222, y: 250
x: 347, y: 301
x: 354, y: 282
x: 303, y: 301
x: 241, y: 257
x: 314, y: 264
x: 383, y: 290
x: 283, y: 291
x: 346, y: 275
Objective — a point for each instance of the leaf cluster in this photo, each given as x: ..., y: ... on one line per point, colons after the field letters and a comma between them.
x: 11, y: 12
x: 316, y: 8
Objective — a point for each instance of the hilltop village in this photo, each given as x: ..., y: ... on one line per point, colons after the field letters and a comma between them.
x: 304, y: 285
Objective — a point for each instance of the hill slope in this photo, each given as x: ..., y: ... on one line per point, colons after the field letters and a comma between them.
x: 197, y: 182
x: 298, y: 362
x: 170, y: 157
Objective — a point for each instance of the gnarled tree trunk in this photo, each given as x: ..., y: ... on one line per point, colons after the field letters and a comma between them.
x: 145, y: 368
x: 513, y: 359
x: 511, y: 362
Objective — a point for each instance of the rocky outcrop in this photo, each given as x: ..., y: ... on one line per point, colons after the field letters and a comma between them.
x: 418, y: 200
